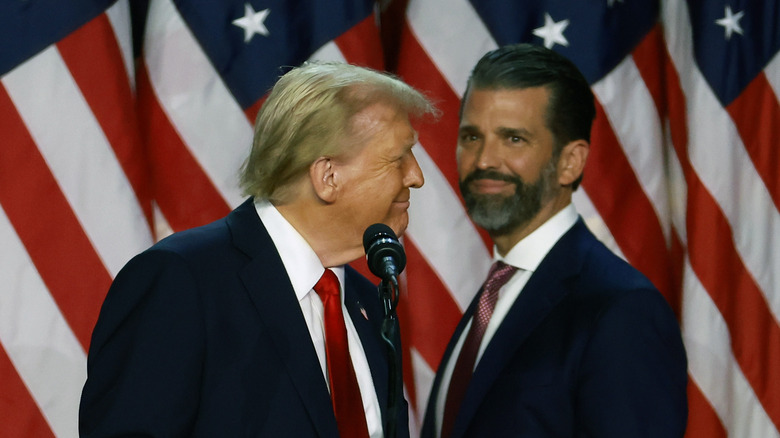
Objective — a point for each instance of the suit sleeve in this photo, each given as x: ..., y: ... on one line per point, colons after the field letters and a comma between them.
x: 634, y: 371
x: 147, y: 349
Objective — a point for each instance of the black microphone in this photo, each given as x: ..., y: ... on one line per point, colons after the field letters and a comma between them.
x: 386, y: 259
x: 385, y: 255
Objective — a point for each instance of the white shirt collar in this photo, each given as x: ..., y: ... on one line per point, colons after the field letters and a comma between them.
x: 301, y: 262
x: 528, y: 253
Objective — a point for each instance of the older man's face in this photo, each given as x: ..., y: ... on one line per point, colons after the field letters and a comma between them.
x: 378, y: 177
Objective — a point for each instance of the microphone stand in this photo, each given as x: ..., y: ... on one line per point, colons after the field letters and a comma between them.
x: 388, y: 293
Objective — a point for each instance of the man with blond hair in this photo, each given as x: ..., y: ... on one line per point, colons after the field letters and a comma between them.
x: 224, y: 330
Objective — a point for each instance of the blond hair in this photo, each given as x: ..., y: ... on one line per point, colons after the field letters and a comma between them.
x: 308, y: 115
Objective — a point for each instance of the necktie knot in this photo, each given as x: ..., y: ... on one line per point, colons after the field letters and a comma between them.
x: 499, y: 274
x: 327, y: 286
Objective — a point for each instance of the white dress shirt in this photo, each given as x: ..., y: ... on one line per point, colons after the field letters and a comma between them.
x: 304, y: 269
x: 526, y: 255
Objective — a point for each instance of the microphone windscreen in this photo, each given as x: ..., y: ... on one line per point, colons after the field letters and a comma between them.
x: 376, y: 232
x: 383, y: 251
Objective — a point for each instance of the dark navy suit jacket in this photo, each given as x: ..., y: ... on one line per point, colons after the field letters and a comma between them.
x: 202, y: 335
x: 590, y: 348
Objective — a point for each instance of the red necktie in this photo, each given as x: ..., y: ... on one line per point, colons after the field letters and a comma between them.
x: 464, y: 367
x: 344, y: 390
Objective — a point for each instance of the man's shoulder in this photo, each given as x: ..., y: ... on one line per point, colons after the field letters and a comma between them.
x: 195, y: 240
x: 602, y: 267
x: 210, y: 236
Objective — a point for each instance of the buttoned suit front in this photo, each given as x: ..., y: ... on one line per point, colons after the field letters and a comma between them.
x: 589, y: 348
x: 202, y: 335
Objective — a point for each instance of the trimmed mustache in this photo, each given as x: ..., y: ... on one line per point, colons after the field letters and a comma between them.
x: 492, y: 174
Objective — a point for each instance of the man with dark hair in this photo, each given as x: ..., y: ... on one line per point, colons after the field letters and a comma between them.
x: 564, y: 339
x: 254, y: 325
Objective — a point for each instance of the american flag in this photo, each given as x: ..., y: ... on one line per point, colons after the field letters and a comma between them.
x: 114, y: 138
x: 682, y: 178
x: 74, y: 198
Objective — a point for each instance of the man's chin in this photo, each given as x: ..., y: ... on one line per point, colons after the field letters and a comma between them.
x: 493, y: 213
x: 400, y: 230
x: 399, y: 224
x: 487, y: 203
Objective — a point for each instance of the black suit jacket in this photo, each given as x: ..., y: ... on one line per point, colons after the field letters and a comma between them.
x: 590, y: 348
x: 202, y: 335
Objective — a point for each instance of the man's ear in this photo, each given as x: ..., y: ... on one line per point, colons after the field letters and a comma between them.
x: 572, y: 161
x: 322, y: 176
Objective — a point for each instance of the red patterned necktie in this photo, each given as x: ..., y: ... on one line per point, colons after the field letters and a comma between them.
x: 344, y: 389
x: 464, y: 367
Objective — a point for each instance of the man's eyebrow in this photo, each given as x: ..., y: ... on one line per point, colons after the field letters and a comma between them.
x: 468, y: 128
x: 514, y: 132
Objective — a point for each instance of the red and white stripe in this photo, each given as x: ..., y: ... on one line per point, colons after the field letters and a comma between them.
x: 730, y: 307
x: 74, y: 209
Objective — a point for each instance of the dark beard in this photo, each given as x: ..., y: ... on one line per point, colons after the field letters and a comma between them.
x: 500, y: 214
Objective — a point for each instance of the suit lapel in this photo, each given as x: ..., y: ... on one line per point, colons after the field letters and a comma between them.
x: 270, y: 290
x: 544, y: 290
x: 367, y: 323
